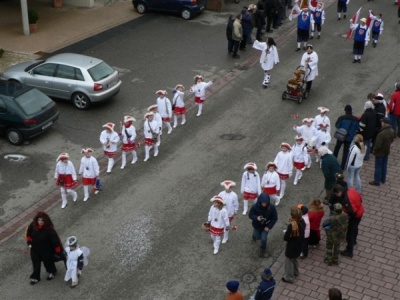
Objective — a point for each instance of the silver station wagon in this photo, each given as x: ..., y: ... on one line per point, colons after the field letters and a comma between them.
x: 82, y: 79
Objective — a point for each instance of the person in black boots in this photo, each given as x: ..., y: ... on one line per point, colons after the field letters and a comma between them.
x: 270, y: 10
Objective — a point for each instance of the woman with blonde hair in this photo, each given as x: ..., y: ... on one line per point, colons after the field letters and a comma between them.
x: 355, y: 161
x: 315, y: 214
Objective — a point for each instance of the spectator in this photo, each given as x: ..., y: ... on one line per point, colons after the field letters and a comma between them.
x: 329, y: 166
x: 315, y: 214
x: 264, y: 217
x: 306, y: 219
x: 350, y: 123
x: 237, y: 35
x: 355, y: 161
x: 335, y: 227
x: 259, y: 20
x: 233, y: 291
x: 266, y: 287
x: 381, y: 151
x: 368, y: 126
x: 270, y: 10
x: 247, y: 27
x: 229, y: 32
x: 394, y: 109
x: 294, y: 238
x: 380, y: 108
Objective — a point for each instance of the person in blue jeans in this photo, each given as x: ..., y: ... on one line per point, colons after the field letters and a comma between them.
x: 355, y: 161
x: 264, y: 217
x: 381, y: 151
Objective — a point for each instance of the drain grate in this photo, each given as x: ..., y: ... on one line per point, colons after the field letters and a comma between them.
x: 249, y: 278
x: 232, y: 137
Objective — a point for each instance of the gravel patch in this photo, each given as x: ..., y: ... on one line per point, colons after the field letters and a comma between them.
x: 11, y: 58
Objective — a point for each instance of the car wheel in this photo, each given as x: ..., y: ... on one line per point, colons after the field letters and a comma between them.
x: 284, y: 95
x: 186, y: 14
x: 141, y: 8
x: 80, y: 100
x: 14, y: 136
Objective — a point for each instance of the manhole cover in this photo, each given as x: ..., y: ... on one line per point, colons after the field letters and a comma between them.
x: 15, y: 157
x: 232, y: 137
x: 248, y: 278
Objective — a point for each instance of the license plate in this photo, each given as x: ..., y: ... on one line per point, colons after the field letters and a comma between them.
x: 47, y: 125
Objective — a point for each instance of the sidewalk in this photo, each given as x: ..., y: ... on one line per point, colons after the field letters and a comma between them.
x: 373, y: 272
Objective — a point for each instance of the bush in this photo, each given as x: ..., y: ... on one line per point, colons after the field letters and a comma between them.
x: 33, y: 16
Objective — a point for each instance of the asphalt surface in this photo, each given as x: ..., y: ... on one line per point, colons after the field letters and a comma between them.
x: 144, y: 228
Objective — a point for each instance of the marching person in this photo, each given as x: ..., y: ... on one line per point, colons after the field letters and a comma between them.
x: 44, y: 243
x: 376, y: 27
x: 300, y: 157
x: 90, y: 170
x: 319, y: 18
x: 165, y: 109
x: 284, y: 164
x: 342, y: 8
x: 308, y: 133
x: 109, y: 139
x: 199, y: 89
x: 151, y: 129
x: 309, y: 60
x: 305, y: 22
x: 269, y: 57
x: 264, y: 217
x: 128, y: 134
x: 65, y: 176
x: 361, y: 38
x: 178, y: 104
x: 322, y: 138
x: 218, y: 221
x: 251, y: 185
x: 322, y: 118
x: 271, y: 183
x: 231, y: 203
x: 74, y: 261
x: 157, y: 117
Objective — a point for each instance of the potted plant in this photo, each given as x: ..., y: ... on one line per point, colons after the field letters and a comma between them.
x: 58, y: 3
x: 33, y: 18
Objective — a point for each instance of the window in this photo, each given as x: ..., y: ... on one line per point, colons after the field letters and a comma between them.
x: 45, y: 70
x: 33, y: 101
x: 100, y: 71
x: 66, y: 72
x: 78, y: 75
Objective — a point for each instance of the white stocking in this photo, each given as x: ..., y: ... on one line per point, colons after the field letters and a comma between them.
x: 86, y: 191
x: 63, y: 196
x: 134, y: 156
x: 72, y: 193
x: 283, y: 188
x: 147, y: 152
x: 110, y: 164
x: 183, y: 119
x: 245, y: 206
x: 123, y: 159
x: 175, y: 121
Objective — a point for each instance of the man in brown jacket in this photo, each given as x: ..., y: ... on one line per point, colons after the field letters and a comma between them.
x: 381, y: 151
x: 237, y: 35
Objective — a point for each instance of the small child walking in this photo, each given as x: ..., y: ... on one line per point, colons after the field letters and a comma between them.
x: 178, y: 105
x: 199, y: 90
x: 75, y: 260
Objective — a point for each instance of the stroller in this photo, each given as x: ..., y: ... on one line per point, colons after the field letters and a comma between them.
x: 296, y: 86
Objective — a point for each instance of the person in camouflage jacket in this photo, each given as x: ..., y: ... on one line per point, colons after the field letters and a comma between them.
x: 335, y: 227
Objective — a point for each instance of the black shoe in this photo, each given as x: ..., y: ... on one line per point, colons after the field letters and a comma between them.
x: 33, y: 281
x: 275, y: 27
x: 359, y: 61
x: 374, y: 183
x: 344, y: 17
x: 346, y: 253
x: 354, y: 61
x: 287, y: 281
x: 298, y: 49
x: 311, y: 37
x: 383, y: 182
x: 338, y: 19
x: 236, y: 56
x: 242, y: 49
x: 318, y: 37
x: 269, y: 31
x: 50, y: 276
x: 261, y: 253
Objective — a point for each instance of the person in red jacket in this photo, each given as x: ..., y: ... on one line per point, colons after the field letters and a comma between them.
x: 315, y: 214
x: 352, y: 206
x: 394, y: 109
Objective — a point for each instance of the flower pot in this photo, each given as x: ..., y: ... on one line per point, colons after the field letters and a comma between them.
x: 58, y: 3
x: 33, y: 27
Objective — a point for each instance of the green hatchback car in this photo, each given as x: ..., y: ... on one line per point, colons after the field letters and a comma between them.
x: 25, y: 112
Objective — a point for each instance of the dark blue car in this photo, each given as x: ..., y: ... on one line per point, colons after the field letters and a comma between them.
x: 24, y: 112
x: 185, y: 8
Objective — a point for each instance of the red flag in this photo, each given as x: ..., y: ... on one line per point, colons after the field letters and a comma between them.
x: 354, y: 20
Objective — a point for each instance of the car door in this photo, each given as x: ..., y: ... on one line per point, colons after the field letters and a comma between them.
x: 65, y: 82
x: 170, y: 5
x: 4, y: 118
x: 42, y: 77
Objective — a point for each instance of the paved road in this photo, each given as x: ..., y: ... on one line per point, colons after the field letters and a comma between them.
x: 144, y: 229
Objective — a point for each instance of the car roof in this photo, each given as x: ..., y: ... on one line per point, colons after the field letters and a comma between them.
x: 73, y: 59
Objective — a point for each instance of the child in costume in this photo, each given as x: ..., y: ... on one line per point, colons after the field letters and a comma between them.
x: 90, y: 170
x: 300, y: 157
x: 284, y: 164
x: 164, y: 108
x: 128, y: 134
x: 269, y: 57
x: 231, y: 203
x: 109, y: 139
x: 251, y: 185
x: 199, y: 90
x: 76, y: 259
x: 178, y: 105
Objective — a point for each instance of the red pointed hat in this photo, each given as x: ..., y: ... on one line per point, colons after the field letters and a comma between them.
x: 227, y: 184
x: 286, y: 145
x: 218, y: 199
x: 308, y: 120
x: 179, y: 86
x: 149, y: 114
x: 109, y: 126
x: 198, y: 77
x: 250, y: 165
x: 324, y: 125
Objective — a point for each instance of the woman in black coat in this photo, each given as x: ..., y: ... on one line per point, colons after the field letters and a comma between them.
x: 45, y: 246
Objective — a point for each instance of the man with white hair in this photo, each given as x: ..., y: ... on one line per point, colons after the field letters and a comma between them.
x: 368, y: 125
x: 329, y: 166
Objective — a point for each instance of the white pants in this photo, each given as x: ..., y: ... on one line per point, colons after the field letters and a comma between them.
x: 176, y: 120
x: 147, y: 151
x: 123, y: 157
x: 217, y: 241
x: 283, y: 188
x: 110, y: 164
x: 64, y: 193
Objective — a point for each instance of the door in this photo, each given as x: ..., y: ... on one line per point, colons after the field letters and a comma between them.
x: 64, y: 82
x: 42, y: 77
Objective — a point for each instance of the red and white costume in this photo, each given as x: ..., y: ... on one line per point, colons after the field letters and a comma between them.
x: 218, y: 220
x: 323, y: 138
x: 151, y: 132
x: 90, y: 170
x: 65, y: 176
x: 231, y: 203
x: 322, y: 118
x: 109, y: 139
x: 284, y: 164
x: 271, y: 183
x: 164, y: 108
x: 128, y: 135
x: 307, y: 132
x: 199, y: 90
x: 157, y: 117
x: 251, y: 185
x: 179, y: 105
x: 300, y: 157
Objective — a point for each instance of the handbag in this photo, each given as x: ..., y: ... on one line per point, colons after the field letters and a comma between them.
x: 340, y: 134
x: 153, y: 134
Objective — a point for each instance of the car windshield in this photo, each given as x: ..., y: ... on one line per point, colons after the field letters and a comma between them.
x: 32, y: 101
x: 100, y: 71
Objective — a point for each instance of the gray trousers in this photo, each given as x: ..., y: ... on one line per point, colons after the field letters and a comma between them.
x: 291, y: 268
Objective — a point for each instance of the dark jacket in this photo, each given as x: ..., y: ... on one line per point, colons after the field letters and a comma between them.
x: 268, y: 213
x: 247, y: 21
x: 345, y: 201
x: 368, y: 125
x: 350, y: 123
x: 44, y: 242
x: 265, y: 289
x: 330, y: 166
x: 380, y: 114
x: 294, y: 245
x: 383, y: 141
x: 229, y: 27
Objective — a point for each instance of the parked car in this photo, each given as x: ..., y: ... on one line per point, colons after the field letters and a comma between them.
x: 79, y: 78
x: 185, y: 8
x: 24, y: 112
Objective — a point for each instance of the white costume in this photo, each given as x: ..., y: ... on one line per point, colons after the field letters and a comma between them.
x: 219, y: 221
x: 300, y: 159
x: 269, y: 57
x: 284, y: 164
x: 231, y: 206
x: 271, y: 185
x: 109, y: 140
x: 65, y: 175
x: 128, y: 135
x: 250, y: 188
x: 322, y: 119
x: 179, y: 107
x: 322, y: 137
x: 308, y: 133
x: 312, y: 61
x: 73, y: 256
x: 90, y: 170
x: 199, y: 90
x: 150, y: 128
x: 165, y: 110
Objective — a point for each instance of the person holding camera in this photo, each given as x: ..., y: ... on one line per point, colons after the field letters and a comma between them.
x: 264, y: 217
x: 65, y: 176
